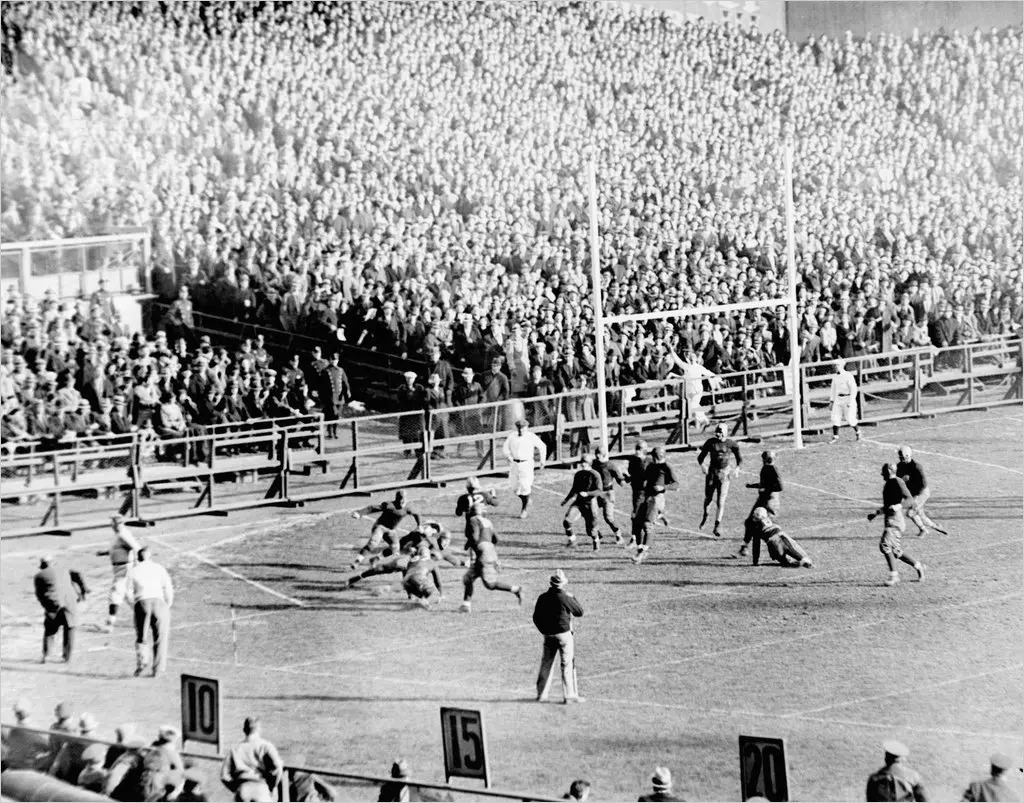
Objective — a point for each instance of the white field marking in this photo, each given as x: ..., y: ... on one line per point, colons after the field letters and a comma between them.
x: 231, y: 573
x: 947, y: 456
x: 800, y: 637
x: 911, y: 690
x: 831, y: 493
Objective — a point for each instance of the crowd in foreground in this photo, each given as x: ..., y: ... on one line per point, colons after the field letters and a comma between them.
x: 305, y: 165
x: 131, y: 768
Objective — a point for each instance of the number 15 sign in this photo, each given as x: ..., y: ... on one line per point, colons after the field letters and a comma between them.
x: 465, y: 751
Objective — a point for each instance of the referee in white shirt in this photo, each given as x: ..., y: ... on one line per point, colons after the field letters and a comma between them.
x: 519, y: 448
x: 843, y: 401
x: 153, y: 594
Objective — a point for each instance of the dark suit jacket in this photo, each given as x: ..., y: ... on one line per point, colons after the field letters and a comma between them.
x: 59, y: 589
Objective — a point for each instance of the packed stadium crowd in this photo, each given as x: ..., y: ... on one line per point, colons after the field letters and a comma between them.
x: 312, y: 166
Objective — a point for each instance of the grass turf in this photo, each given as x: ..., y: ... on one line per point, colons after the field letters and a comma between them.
x: 676, y: 657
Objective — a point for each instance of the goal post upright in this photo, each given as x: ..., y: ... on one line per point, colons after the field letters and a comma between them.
x: 598, y: 303
x: 794, y: 341
x: 788, y: 300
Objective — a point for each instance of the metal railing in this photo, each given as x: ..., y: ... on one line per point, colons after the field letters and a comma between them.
x: 308, y: 460
x: 73, y: 267
x: 355, y: 784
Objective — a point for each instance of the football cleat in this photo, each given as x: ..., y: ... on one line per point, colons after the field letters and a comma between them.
x: 919, y: 567
x: 892, y: 579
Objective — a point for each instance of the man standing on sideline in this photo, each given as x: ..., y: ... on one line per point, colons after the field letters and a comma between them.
x: 894, y: 494
x: 995, y: 787
x: 910, y: 471
x: 59, y: 591
x: 518, y: 449
x: 122, y: 557
x: 610, y: 477
x: 154, y: 595
x: 843, y: 401
x: 895, y: 781
x: 253, y: 767
x: 586, y: 487
x: 335, y: 393
x: 553, y: 615
x: 719, y: 472
x: 658, y: 477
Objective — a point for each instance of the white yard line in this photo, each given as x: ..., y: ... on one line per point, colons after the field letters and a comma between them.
x: 948, y: 456
x: 831, y: 493
x: 911, y: 690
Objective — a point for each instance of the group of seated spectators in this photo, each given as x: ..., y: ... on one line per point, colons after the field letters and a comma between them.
x: 130, y: 768
x: 408, y: 178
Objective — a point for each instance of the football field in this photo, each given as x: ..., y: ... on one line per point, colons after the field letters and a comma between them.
x: 676, y: 657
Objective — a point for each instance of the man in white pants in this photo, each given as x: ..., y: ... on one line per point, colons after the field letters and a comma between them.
x: 122, y: 557
x: 518, y: 449
x: 843, y: 401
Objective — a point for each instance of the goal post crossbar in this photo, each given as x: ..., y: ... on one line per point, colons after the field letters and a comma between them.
x: 789, y: 300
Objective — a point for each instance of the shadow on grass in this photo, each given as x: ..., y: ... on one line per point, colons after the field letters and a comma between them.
x: 269, y: 565
x: 55, y: 667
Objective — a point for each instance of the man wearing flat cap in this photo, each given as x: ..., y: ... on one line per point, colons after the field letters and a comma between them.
x: 995, y: 787
x: 552, y: 616
x: 896, y: 780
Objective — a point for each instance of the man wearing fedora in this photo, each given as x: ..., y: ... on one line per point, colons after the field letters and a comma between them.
x: 661, y: 785
x: 553, y: 615
x: 995, y: 787
x: 59, y: 591
x: 896, y: 780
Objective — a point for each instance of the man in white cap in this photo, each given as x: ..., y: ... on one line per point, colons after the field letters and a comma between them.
x: 661, y: 784
x: 995, y: 787
x: 518, y: 450
x: 552, y: 616
x: 843, y: 401
x: 895, y: 781
x: 122, y: 558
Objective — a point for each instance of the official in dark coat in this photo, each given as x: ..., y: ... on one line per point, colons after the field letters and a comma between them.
x: 59, y: 591
x: 552, y: 616
x: 335, y: 393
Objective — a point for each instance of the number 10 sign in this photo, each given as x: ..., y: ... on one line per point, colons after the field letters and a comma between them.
x: 465, y: 751
x: 200, y: 710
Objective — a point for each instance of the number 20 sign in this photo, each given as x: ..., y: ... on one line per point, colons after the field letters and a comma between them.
x: 763, y: 768
x: 465, y: 751
x: 200, y: 710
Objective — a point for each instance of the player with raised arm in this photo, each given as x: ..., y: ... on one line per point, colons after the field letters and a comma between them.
x: 474, y: 493
x: 582, y: 501
x: 439, y: 545
x: 894, y: 495
x: 610, y: 477
x: 783, y: 549
x: 720, y: 452
x: 658, y: 477
x: 484, y: 557
x: 385, y: 528
x: 910, y: 471
x: 769, y: 492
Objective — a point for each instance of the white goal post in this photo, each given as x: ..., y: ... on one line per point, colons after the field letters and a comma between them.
x: 601, y: 320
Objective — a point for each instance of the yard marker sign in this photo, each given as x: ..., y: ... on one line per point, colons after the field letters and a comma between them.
x: 200, y: 710
x: 465, y: 751
x: 763, y: 768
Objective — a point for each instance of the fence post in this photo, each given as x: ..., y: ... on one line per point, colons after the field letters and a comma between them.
x: 494, y: 440
x: 355, y: 452
x: 860, y: 392
x: 427, y: 440
x: 684, y: 417
x: 969, y: 370
x: 743, y: 406
x: 56, y: 491
x: 686, y: 414
x: 621, y: 413
x: 916, y: 389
